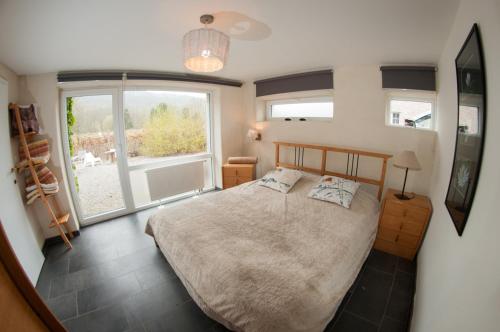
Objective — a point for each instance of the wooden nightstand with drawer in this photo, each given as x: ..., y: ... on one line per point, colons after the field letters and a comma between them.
x: 235, y: 174
x: 402, y: 224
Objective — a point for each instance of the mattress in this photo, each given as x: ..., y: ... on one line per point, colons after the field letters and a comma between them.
x: 255, y: 259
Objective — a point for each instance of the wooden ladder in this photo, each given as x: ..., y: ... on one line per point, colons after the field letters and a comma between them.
x: 57, y: 222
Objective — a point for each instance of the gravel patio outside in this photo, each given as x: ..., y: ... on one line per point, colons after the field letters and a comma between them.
x: 99, y: 189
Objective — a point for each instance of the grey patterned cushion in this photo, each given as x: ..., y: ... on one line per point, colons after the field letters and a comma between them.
x: 281, y: 179
x: 334, y: 189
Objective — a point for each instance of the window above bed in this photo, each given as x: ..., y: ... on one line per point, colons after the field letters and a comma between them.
x: 301, y: 109
x: 410, y: 109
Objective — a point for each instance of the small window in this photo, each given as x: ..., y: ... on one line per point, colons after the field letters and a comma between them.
x: 412, y: 112
x: 301, y: 109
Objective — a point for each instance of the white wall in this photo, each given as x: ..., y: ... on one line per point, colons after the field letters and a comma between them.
x: 458, y: 281
x: 229, y: 126
x: 20, y: 225
x: 359, y: 122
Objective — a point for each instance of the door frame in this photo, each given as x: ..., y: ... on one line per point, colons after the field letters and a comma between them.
x: 124, y: 180
x: 117, y: 91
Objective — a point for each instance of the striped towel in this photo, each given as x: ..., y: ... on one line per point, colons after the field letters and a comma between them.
x: 48, y: 183
x: 39, y: 153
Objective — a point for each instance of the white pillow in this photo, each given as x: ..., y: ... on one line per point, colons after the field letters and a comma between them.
x: 334, y: 189
x: 281, y: 179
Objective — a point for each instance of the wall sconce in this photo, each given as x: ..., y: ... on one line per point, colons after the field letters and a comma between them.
x: 253, y: 135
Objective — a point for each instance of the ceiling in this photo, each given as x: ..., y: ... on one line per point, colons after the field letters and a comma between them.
x: 267, y: 37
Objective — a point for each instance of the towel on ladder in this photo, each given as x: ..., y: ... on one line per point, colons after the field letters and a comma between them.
x: 47, y: 180
x: 39, y: 153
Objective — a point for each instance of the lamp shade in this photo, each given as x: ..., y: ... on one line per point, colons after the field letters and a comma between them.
x: 205, y: 50
x: 407, y: 159
x: 253, y: 135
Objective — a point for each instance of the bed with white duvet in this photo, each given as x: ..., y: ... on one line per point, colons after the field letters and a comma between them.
x: 258, y: 260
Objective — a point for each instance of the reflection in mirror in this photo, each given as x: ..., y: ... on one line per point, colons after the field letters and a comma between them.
x: 468, y: 120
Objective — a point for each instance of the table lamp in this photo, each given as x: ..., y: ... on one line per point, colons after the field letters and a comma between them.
x: 406, y: 160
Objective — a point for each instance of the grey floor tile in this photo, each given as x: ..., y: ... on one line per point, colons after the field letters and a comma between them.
x: 390, y: 325
x: 89, y: 258
x: 155, y: 274
x: 111, y: 291
x: 218, y: 328
x: 406, y: 265
x: 64, y: 306
x: 350, y: 323
x: 43, y: 285
x: 382, y: 261
x: 129, y: 263
x: 401, y: 297
x: 109, y: 319
x: 71, y: 282
x: 186, y: 318
x: 371, y: 295
x: 156, y: 302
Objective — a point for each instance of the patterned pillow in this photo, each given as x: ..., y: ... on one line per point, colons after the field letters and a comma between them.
x: 281, y: 179
x: 334, y: 189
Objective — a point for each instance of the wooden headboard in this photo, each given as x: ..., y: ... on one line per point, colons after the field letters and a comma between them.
x: 351, y: 172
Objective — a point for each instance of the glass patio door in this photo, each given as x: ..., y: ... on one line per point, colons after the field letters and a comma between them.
x: 125, y: 148
x: 95, y: 168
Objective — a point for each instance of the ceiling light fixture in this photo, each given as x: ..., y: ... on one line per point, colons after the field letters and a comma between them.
x: 205, y: 50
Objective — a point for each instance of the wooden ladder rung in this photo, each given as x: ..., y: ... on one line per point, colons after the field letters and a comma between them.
x: 39, y: 197
x: 35, y: 163
x: 61, y: 220
x: 28, y: 134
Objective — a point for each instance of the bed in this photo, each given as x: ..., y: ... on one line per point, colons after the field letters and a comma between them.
x: 255, y: 259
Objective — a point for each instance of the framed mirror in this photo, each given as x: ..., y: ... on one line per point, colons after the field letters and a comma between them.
x: 471, y: 87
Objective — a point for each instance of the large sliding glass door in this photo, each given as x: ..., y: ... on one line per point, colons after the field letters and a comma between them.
x: 121, y: 143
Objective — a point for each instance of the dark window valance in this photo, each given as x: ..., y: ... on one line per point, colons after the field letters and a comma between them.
x: 315, y: 80
x: 75, y: 76
x: 409, y: 77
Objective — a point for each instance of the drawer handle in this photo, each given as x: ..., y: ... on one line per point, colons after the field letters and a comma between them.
x: 397, y: 238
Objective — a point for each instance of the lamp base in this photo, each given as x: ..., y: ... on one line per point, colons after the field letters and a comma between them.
x: 402, y: 197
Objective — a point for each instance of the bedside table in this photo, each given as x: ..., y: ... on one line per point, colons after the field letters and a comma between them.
x: 402, y: 224
x: 235, y: 174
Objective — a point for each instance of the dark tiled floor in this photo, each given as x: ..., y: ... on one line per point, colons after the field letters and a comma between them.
x: 115, y: 279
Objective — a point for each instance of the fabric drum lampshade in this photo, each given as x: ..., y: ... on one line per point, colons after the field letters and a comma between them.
x: 407, y: 159
x: 205, y: 50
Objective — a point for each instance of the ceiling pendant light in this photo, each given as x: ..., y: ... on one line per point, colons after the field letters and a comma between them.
x: 205, y: 50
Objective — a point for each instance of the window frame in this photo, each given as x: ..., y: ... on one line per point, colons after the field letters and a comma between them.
x: 411, y: 96
x: 118, y: 89
x: 299, y: 100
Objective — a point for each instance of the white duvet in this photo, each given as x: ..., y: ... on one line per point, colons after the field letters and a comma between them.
x: 255, y: 259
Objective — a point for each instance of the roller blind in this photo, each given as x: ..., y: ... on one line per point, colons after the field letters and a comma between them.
x: 75, y: 76
x: 409, y: 77
x: 316, y: 80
